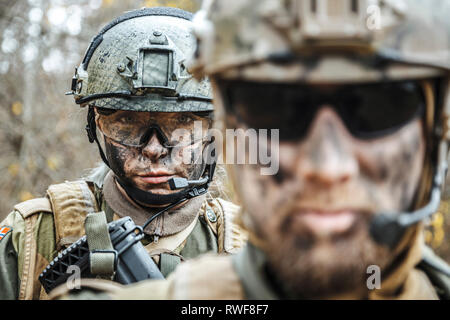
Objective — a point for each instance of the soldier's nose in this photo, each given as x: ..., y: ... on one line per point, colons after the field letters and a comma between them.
x: 328, y: 156
x: 154, y: 149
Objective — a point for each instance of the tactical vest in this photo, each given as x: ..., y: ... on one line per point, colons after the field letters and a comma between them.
x: 70, y: 202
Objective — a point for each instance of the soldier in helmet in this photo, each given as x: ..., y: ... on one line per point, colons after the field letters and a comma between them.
x: 150, y: 120
x: 360, y: 93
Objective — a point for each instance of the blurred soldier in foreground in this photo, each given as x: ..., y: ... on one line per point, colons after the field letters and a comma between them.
x: 361, y: 96
x: 149, y: 113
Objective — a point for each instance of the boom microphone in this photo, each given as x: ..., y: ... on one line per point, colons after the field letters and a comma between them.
x: 387, y: 229
x: 180, y: 183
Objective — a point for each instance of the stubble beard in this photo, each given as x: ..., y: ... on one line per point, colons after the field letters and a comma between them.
x: 311, y: 268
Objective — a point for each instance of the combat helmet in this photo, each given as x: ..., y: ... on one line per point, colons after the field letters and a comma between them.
x: 137, y: 63
x: 338, y: 42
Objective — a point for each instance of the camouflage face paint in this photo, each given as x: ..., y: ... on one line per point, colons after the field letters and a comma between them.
x: 143, y: 167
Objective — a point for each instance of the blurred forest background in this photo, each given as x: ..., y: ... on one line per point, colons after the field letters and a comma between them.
x: 42, y: 134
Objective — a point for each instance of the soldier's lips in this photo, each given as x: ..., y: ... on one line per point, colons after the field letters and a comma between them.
x: 323, y: 223
x: 155, y: 178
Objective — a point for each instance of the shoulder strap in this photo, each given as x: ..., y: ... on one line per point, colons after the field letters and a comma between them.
x: 33, y: 206
x: 437, y: 270
x: 230, y: 235
x: 173, y: 241
x: 102, y: 255
x: 71, y: 202
x: 76, y: 212
x: 163, y: 251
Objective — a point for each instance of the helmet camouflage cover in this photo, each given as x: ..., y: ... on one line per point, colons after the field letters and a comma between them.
x: 137, y: 63
x: 240, y: 39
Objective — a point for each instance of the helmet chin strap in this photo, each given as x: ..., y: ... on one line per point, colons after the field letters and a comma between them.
x: 197, y: 187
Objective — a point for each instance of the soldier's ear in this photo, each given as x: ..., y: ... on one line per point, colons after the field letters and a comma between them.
x: 96, y: 113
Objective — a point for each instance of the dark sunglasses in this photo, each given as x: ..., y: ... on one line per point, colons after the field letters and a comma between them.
x: 368, y: 110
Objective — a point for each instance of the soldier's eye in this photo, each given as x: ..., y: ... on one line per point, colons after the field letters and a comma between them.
x: 183, y: 118
x: 127, y: 119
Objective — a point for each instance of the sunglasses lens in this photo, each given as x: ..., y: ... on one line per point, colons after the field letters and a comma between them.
x: 269, y: 106
x: 376, y: 110
x: 368, y: 111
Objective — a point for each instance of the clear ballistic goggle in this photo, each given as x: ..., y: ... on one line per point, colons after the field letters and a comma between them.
x: 134, y: 129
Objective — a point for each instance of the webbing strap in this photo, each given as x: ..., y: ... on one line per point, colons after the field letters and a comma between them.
x: 103, y: 257
x: 172, y: 242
